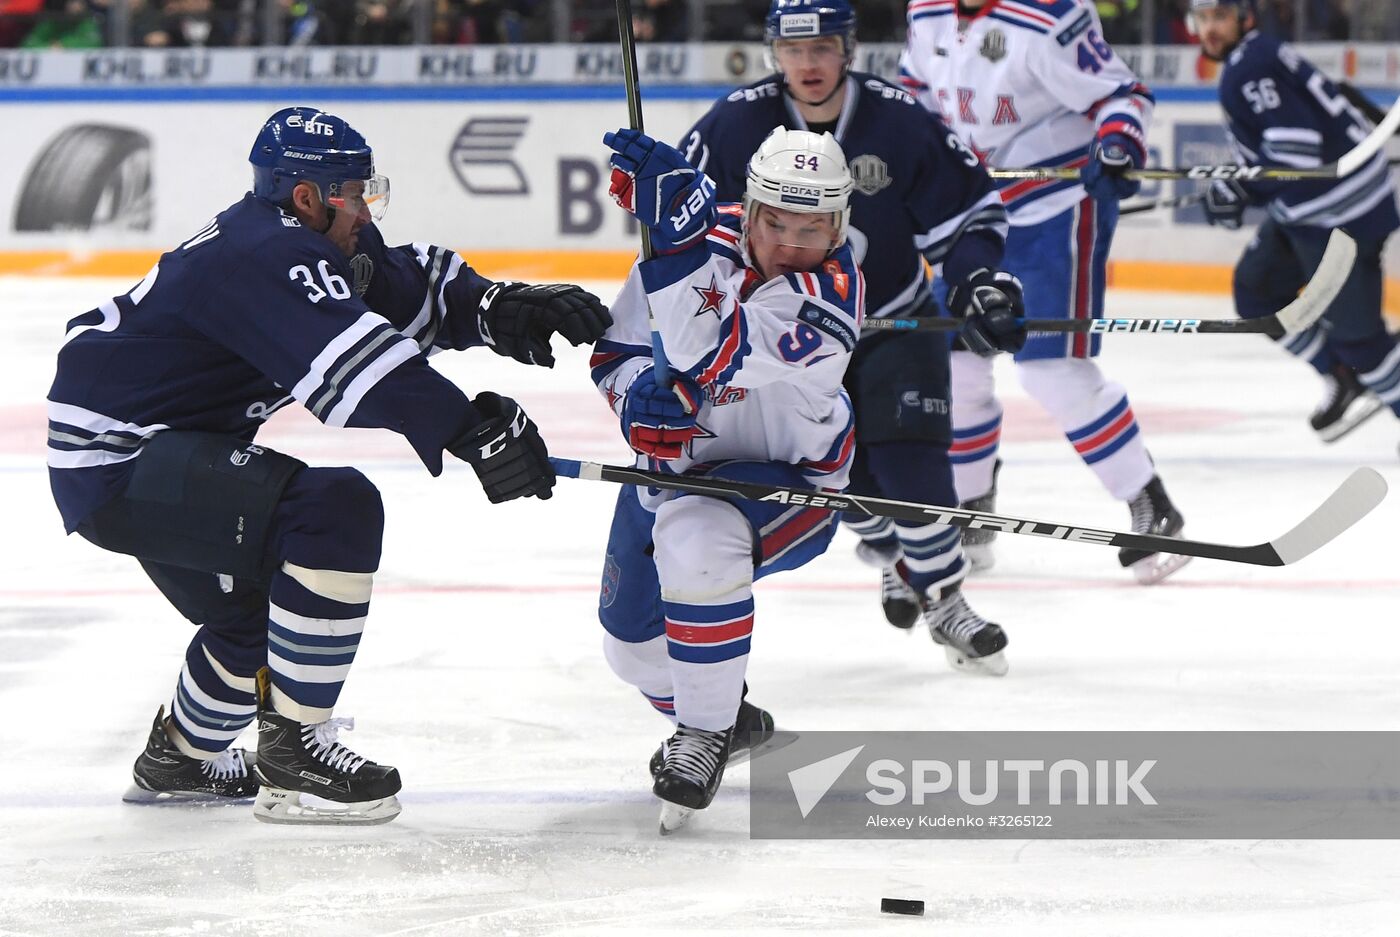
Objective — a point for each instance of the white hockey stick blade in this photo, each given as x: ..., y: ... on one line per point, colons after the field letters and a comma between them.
x: 1357, y: 497
x: 1326, y: 283
x: 1360, y: 154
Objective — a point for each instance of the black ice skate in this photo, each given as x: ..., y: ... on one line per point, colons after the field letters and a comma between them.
x: 164, y: 773
x: 971, y: 643
x: 977, y: 542
x: 899, y: 602
x: 690, y: 774
x: 1153, y: 513
x: 754, y: 735
x: 296, y: 759
x: 1346, y: 404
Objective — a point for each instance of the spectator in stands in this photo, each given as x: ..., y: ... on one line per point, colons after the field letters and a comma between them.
x: 1171, y: 28
x: 65, y: 24
x: 194, y: 24
x: 670, y: 20
x: 311, y: 22
x: 381, y: 23
x: 481, y: 22
x: 1275, y: 18
x: 1122, y: 21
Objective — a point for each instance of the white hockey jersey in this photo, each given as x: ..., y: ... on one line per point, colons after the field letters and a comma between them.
x: 1024, y: 83
x: 769, y: 356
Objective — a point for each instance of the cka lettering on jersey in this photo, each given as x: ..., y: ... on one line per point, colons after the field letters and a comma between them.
x: 502, y: 62
x: 1006, y: 111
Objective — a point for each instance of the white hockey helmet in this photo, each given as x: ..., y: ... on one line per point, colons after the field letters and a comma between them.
x: 800, y: 171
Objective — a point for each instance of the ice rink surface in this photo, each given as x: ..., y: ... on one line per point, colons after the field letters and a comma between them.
x: 527, y: 807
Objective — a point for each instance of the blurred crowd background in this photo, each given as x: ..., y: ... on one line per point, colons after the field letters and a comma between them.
x: 83, y: 24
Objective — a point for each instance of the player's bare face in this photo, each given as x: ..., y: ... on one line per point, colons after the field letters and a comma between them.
x: 782, y: 242
x: 812, y: 67
x: 1219, y: 29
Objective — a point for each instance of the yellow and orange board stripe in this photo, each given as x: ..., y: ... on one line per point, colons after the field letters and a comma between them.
x: 566, y: 266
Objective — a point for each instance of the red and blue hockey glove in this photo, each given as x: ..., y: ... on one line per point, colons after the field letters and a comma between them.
x: 1225, y: 203
x: 506, y: 450
x: 1113, y: 155
x: 653, y: 181
x: 990, y: 304
x: 658, y: 420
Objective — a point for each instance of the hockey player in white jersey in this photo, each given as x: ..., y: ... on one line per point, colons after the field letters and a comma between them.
x: 1034, y: 84
x: 757, y: 309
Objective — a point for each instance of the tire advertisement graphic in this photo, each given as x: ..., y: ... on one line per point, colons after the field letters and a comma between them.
x: 88, y: 177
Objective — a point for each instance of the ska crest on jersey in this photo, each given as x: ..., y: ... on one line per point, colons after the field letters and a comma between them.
x: 612, y: 580
x: 711, y: 298
x: 362, y: 268
x: 869, y: 173
x: 993, y: 46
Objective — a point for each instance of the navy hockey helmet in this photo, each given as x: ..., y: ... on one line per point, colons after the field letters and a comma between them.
x: 303, y: 144
x: 804, y: 19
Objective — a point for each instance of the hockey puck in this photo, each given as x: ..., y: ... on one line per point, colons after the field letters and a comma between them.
x: 901, y: 906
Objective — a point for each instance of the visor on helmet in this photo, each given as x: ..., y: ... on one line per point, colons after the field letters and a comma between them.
x: 804, y: 230
x: 367, y: 197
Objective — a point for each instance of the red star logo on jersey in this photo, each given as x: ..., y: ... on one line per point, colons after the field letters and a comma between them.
x: 701, y: 433
x: 711, y: 298
x: 613, y: 395
x: 981, y: 153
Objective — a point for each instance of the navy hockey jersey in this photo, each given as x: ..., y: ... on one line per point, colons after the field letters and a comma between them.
x: 252, y: 312
x: 1282, y: 111
x: 918, y: 188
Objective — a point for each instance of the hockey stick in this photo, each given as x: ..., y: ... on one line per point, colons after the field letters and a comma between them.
x: 1327, y: 281
x: 634, y: 120
x: 1182, y: 201
x: 1176, y: 201
x: 1346, y: 164
x: 1357, y: 496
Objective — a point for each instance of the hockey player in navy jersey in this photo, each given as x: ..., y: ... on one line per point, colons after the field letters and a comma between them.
x: 920, y: 194
x: 1032, y: 83
x: 288, y: 295
x: 758, y: 315
x: 1281, y: 111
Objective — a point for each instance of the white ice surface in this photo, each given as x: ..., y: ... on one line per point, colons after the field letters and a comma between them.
x: 527, y: 806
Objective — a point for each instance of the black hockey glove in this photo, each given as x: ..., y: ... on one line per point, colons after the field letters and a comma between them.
x: 517, y: 319
x: 1225, y: 203
x: 506, y: 450
x: 990, y: 304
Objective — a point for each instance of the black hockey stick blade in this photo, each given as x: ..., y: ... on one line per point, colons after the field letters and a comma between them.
x: 1327, y: 281
x: 1357, y: 497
